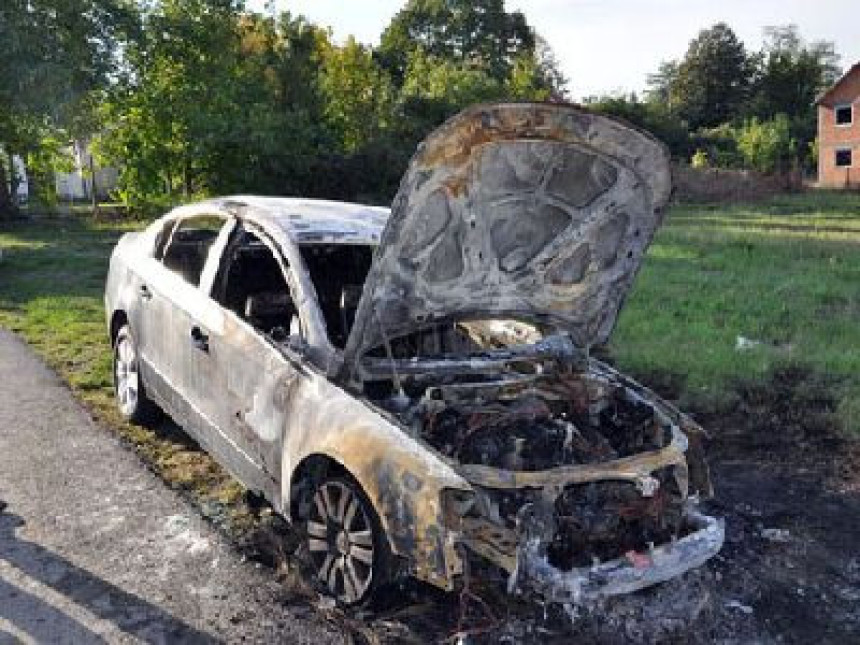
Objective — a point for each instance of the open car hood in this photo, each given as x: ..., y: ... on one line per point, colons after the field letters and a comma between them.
x: 531, y: 211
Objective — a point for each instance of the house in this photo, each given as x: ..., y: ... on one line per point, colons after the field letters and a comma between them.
x: 78, y: 184
x: 839, y: 133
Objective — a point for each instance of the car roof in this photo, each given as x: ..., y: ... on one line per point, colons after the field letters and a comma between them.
x: 306, y: 220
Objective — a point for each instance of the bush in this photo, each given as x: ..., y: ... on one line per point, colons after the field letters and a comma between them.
x: 767, y: 146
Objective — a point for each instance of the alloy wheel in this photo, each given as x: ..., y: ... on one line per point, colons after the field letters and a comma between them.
x: 127, y: 378
x: 341, y: 541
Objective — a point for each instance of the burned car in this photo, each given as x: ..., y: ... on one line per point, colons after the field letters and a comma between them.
x: 414, y: 387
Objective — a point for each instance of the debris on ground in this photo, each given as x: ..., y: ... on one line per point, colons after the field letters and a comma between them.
x: 776, y: 535
x: 743, y: 344
x: 736, y: 604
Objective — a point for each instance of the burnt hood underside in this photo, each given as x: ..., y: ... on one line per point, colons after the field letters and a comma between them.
x: 539, y: 212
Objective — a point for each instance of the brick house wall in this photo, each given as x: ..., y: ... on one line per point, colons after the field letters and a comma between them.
x: 839, y: 143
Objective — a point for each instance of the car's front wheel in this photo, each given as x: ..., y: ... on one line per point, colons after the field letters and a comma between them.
x: 128, y: 387
x: 346, y: 544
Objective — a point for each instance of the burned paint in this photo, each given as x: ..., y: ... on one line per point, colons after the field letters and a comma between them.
x: 498, y: 197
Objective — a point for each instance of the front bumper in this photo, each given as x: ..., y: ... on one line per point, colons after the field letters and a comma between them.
x: 622, y: 575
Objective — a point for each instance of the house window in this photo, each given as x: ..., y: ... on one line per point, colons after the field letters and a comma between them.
x: 843, y: 158
x: 844, y: 115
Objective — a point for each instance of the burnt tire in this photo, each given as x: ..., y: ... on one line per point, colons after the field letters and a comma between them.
x: 345, y: 546
x: 128, y: 387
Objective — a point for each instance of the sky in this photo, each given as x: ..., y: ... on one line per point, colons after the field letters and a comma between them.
x: 611, y: 46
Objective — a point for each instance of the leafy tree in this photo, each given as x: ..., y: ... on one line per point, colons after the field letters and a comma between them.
x: 458, y: 84
x: 357, y: 93
x: 767, y: 146
x: 791, y: 73
x: 712, y: 81
x: 650, y: 115
x: 53, y: 55
x: 660, y: 83
x: 459, y: 31
x: 536, y: 75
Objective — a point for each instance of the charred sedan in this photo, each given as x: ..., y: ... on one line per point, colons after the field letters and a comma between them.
x: 414, y: 386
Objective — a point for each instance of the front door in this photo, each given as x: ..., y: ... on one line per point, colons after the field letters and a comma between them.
x: 255, y: 368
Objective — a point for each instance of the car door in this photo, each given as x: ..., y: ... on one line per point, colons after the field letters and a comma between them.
x: 255, y: 366
x: 179, y: 316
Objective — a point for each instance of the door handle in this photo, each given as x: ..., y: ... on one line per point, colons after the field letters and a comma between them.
x: 144, y: 292
x: 199, y: 339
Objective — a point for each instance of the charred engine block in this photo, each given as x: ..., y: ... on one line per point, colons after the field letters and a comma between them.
x: 537, y: 430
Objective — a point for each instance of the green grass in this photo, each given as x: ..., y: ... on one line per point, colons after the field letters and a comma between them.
x: 785, y: 273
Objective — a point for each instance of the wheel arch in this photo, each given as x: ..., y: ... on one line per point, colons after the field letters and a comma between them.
x: 409, y: 513
x: 310, y: 470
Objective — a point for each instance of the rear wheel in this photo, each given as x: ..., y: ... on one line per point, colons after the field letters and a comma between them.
x: 128, y: 387
x: 347, y: 548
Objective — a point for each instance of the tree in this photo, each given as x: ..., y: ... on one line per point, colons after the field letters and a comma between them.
x: 661, y: 82
x: 54, y: 54
x: 649, y: 115
x: 791, y: 73
x: 712, y: 81
x: 536, y: 75
x: 461, y: 31
x: 767, y: 146
x: 203, y: 104
x: 357, y: 94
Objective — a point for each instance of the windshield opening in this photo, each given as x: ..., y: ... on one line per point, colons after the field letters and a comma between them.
x: 338, y: 273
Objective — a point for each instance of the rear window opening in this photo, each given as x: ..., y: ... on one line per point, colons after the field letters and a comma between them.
x: 338, y: 273
x: 185, y: 249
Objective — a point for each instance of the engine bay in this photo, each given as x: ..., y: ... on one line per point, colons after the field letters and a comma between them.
x: 529, y: 422
x: 538, y: 417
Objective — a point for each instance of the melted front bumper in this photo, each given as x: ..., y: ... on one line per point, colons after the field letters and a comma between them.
x: 623, y: 575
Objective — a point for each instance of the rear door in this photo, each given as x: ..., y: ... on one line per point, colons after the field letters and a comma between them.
x: 180, y: 317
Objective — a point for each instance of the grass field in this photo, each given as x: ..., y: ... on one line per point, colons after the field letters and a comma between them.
x: 783, y: 274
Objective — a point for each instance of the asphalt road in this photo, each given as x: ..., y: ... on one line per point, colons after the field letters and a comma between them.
x: 94, y: 548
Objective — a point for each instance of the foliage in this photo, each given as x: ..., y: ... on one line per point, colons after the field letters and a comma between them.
x: 217, y: 99
x: 459, y: 31
x: 767, y: 146
x: 653, y: 116
x: 718, y: 87
x: 711, y: 83
x: 357, y: 94
x: 791, y: 74
x: 202, y: 97
x: 53, y: 55
x: 699, y: 159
